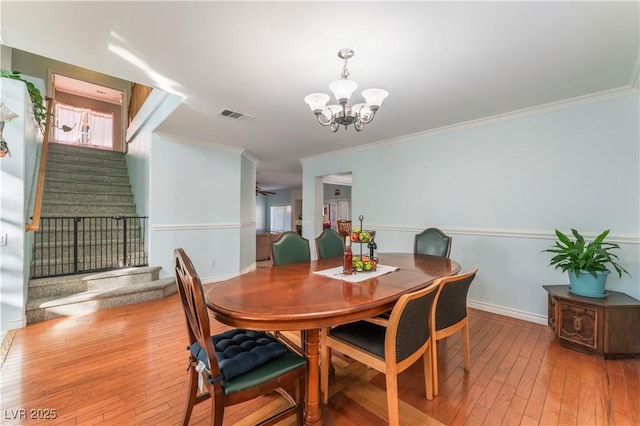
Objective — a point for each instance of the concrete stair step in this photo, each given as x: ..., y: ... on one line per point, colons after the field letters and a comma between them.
x: 70, y: 284
x: 85, y: 302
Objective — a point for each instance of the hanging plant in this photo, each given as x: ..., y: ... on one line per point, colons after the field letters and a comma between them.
x: 39, y: 108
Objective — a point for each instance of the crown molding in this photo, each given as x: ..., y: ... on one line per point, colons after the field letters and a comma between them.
x: 494, y: 119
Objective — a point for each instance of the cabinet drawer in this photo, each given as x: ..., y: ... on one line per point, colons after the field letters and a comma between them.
x: 579, y: 324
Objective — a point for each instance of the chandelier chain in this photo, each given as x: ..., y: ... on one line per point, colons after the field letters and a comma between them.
x: 345, y: 71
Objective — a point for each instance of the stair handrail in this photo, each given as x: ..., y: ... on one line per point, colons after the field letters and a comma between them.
x: 34, y: 225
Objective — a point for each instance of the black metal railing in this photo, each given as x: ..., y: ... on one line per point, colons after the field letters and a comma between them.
x: 73, y: 245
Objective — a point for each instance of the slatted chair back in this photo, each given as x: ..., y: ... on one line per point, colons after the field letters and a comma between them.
x: 237, y: 365
x: 344, y: 227
x: 329, y: 244
x: 432, y: 241
x: 288, y: 248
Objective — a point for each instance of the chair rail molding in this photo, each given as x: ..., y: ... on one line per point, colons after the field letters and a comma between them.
x: 197, y: 226
x: 507, y: 233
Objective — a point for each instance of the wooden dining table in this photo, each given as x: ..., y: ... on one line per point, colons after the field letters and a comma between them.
x: 293, y: 297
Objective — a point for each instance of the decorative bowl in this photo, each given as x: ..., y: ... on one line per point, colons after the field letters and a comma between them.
x: 364, y: 263
x: 360, y: 236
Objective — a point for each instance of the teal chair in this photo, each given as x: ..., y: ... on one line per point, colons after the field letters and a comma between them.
x: 432, y: 241
x: 290, y: 247
x: 329, y: 244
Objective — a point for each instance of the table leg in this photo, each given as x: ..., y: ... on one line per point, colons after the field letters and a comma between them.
x: 312, y: 413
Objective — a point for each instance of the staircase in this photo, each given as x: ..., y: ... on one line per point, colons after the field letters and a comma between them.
x: 93, y: 184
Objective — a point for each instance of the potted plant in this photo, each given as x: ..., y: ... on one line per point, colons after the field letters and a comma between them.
x: 586, y: 262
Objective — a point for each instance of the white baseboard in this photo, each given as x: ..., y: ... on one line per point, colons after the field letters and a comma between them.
x: 508, y: 312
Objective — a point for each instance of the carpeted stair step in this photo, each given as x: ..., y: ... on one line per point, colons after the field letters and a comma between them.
x: 95, y: 177
x: 90, y: 301
x: 54, y: 185
x: 59, y: 265
x: 100, y: 160
x: 88, y: 249
x: 72, y: 151
x: 60, y: 208
x: 75, y: 167
x: 87, y: 197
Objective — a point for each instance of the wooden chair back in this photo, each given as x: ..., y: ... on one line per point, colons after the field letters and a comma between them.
x: 344, y: 227
x: 284, y: 373
x: 450, y: 316
x: 389, y: 349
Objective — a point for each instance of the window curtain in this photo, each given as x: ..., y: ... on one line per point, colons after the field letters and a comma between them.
x: 88, y: 127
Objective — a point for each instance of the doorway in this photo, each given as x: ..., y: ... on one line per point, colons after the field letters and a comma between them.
x: 87, y: 114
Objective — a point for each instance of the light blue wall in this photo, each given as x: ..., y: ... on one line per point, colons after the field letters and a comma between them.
x: 195, y: 196
x: 500, y: 189
x: 16, y: 181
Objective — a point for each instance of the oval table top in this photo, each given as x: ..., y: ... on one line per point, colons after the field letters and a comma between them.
x: 292, y: 297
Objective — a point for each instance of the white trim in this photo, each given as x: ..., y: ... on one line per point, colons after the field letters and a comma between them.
x: 248, y: 224
x: 149, y: 107
x: 508, y: 233
x: 250, y: 156
x: 218, y: 278
x: 508, y: 312
x: 194, y: 226
x: 17, y: 323
x: 499, y: 118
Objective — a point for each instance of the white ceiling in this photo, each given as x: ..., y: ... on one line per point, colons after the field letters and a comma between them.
x: 443, y: 63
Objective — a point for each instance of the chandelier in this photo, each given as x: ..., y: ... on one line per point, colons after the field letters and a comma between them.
x: 344, y: 114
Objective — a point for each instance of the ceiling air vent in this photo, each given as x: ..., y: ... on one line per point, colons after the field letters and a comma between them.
x: 235, y: 115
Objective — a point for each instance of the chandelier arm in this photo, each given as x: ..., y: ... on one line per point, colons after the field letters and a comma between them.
x: 323, y: 120
x: 367, y: 118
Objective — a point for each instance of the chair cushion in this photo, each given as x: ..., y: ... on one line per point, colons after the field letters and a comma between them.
x: 364, y: 335
x: 239, y: 351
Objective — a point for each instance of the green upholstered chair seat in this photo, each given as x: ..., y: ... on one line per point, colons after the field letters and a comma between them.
x: 263, y: 373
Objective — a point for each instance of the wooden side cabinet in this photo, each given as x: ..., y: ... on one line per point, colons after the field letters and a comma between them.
x: 608, y: 326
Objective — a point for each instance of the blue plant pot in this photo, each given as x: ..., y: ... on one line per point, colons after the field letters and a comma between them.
x: 587, y: 285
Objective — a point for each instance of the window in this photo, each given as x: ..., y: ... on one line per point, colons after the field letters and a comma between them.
x: 280, y: 218
x: 88, y: 127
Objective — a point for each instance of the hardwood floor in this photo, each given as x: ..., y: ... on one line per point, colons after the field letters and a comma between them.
x: 127, y: 366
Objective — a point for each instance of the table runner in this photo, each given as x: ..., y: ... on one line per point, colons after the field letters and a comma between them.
x: 336, y: 273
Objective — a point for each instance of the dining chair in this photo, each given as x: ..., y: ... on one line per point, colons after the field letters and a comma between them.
x: 344, y: 227
x: 450, y: 316
x: 237, y: 365
x: 390, y: 349
x: 329, y: 244
x: 432, y: 241
x: 288, y: 248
